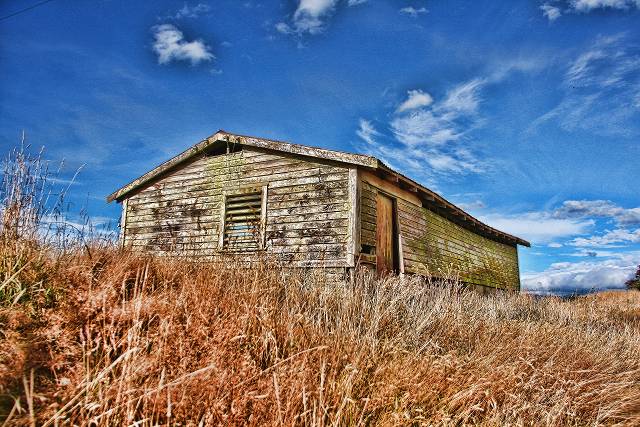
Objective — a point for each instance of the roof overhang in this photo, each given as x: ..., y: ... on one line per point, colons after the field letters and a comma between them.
x: 430, y: 199
x: 442, y: 206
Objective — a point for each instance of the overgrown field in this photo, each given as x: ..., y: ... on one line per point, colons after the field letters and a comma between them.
x: 94, y: 335
x: 115, y: 338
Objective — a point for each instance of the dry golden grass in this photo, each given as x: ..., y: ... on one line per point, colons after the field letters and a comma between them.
x: 92, y: 335
x: 124, y: 339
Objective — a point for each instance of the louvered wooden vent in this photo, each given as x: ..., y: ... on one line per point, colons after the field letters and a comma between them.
x: 243, y: 220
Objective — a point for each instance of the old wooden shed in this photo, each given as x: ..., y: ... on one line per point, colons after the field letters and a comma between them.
x: 312, y: 208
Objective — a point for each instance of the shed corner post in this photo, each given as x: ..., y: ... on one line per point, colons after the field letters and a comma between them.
x: 263, y: 217
x: 518, y: 286
x: 353, y: 234
x: 123, y: 223
x: 221, y: 224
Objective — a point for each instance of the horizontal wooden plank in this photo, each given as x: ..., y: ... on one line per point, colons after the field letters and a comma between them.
x: 308, y: 241
x: 173, y: 209
x: 205, y: 203
x: 307, y: 210
x: 367, y: 237
x: 303, y: 202
x: 210, y: 189
x: 313, y: 224
x: 192, y: 226
x: 296, y: 194
x: 249, y: 176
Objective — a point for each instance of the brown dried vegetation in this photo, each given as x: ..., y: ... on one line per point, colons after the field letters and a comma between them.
x: 109, y: 337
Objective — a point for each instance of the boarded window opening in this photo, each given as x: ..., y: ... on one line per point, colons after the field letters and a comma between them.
x: 243, y: 220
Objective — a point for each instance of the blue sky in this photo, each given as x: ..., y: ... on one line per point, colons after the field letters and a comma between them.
x: 525, y: 113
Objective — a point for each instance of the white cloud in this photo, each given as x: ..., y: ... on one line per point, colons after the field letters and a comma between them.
x: 550, y: 12
x: 192, y: 11
x: 412, y: 11
x: 170, y: 45
x: 589, y: 5
x: 609, y: 238
x: 587, y: 208
x: 573, y: 224
x: 309, y: 17
x: 572, y: 218
x: 538, y: 227
x: 356, y: 2
x: 415, y: 99
x: 598, y: 209
x: 611, y: 273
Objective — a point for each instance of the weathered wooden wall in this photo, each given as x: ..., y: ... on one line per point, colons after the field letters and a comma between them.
x: 431, y: 244
x: 310, y: 220
x: 308, y: 207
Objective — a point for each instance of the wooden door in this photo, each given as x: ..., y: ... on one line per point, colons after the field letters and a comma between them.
x: 385, y: 260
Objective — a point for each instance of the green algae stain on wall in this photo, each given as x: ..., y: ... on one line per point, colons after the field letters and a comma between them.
x: 437, y: 246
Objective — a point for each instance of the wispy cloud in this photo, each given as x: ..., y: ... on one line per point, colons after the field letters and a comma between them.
x: 425, y: 133
x: 413, y: 12
x: 430, y: 131
x: 430, y: 136
x: 309, y: 17
x: 444, y: 122
x: 170, y: 46
x: 598, y: 209
x: 474, y: 205
x: 464, y: 98
x: 193, y: 11
x: 601, y: 91
x: 367, y: 132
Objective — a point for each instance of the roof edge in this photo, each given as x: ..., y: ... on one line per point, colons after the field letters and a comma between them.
x: 466, y: 219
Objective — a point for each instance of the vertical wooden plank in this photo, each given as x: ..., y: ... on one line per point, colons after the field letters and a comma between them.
x: 353, y: 232
x: 400, y: 254
x: 263, y: 217
x: 384, y: 234
x: 223, y: 213
x: 517, y: 272
x: 398, y: 230
x: 123, y: 223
